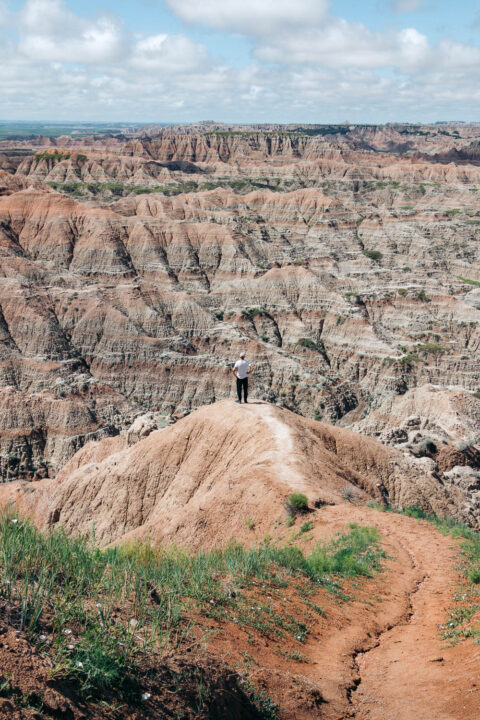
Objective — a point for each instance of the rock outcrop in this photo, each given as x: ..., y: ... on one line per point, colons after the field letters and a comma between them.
x: 225, y: 469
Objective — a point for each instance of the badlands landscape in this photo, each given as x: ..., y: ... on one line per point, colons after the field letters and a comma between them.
x: 168, y: 553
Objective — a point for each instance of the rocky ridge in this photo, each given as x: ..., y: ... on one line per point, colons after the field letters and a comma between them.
x: 225, y: 472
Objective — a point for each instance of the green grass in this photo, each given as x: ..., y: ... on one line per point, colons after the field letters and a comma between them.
x: 469, y: 281
x: 251, y: 313
x: 107, y: 617
x: 87, y: 189
x: 430, y: 349
x: 53, y: 156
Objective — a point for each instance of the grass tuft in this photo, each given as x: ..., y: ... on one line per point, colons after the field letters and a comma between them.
x: 297, y: 504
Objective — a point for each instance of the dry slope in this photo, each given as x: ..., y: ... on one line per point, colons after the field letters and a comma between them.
x: 199, y: 481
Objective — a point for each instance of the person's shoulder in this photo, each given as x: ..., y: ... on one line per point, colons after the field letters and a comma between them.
x: 237, y: 363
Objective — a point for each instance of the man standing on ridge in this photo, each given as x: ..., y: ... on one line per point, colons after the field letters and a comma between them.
x: 242, y: 370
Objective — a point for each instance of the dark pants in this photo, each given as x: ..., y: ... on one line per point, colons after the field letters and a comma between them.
x: 242, y: 384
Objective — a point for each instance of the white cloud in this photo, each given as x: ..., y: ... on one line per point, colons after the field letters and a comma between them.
x: 50, y: 31
x: 175, y: 53
x: 251, y: 17
x: 342, y: 44
x: 325, y: 68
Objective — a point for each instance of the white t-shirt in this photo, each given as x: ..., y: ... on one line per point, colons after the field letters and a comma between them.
x: 243, y: 366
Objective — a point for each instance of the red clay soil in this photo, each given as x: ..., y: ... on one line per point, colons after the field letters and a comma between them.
x: 29, y: 692
x: 380, y: 655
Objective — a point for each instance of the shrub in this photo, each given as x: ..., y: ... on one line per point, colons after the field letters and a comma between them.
x: 474, y: 575
x: 306, y: 526
x: 349, y: 494
x: 428, y: 446
x: 250, y: 524
x: 374, y: 255
x: 431, y: 349
x: 252, y: 312
x: 296, y: 504
x: 308, y: 343
x: 454, y: 211
x: 375, y: 505
x: 465, y: 444
x: 421, y: 295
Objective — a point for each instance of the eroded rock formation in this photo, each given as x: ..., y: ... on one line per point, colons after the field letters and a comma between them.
x: 134, y: 269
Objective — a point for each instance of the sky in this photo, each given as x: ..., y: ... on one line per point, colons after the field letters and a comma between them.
x: 288, y: 61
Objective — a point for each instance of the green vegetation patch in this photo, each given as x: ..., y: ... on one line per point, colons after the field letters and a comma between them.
x: 108, y: 617
x: 251, y: 313
x: 53, y: 156
x: 430, y: 349
x: 374, y: 255
x: 469, y: 281
x: 297, y: 503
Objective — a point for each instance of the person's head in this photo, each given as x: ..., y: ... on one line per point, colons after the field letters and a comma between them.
x: 242, y: 356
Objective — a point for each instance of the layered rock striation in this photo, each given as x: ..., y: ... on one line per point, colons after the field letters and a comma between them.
x: 346, y: 268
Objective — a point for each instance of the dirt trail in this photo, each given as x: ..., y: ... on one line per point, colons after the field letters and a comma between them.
x: 410, y: 674
x: 390, y: 663
x: 283, y: 458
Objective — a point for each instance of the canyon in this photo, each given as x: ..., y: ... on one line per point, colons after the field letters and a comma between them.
x: 134, y: 269
x: 343, y: 260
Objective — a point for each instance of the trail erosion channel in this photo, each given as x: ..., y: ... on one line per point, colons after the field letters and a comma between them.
x: 398, y: 667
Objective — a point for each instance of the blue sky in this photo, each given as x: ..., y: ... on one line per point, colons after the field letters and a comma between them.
x: 240, y: 60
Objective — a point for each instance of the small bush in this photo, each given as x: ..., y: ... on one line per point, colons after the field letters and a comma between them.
x: 252, y: 312
x: 428, y: 446
x: 308, y: 343
x: 431, y: 349
x: 422, y: 295
x: 466, y: 444
x: 250, y: 524
x: 306, y: 526
x: 374, y: 255
x: 375, y: 505
x: 297, y: 504
x: 349, y: 494
x: 474, y: 575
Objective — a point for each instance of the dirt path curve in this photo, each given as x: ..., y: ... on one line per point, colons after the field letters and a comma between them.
x: 410, y: 674
x: 286, y: 468
x: 390, y: 663
x: 383, y: 659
